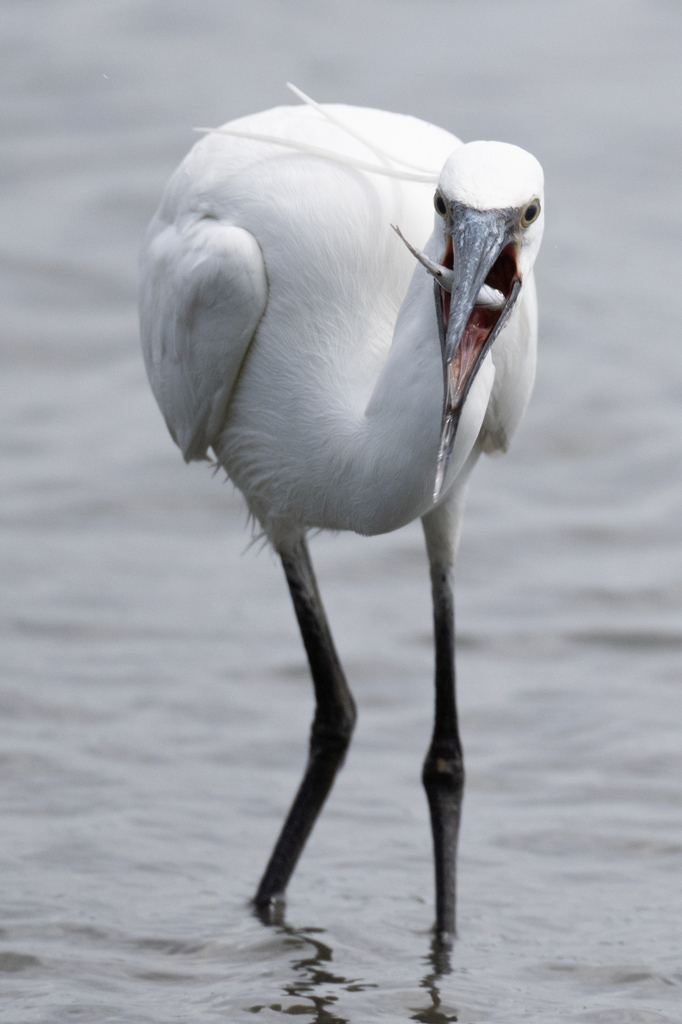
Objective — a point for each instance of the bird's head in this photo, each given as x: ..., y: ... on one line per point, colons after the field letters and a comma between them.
x: 489, y: 206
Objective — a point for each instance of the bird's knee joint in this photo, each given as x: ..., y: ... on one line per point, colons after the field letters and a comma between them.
x: 443, y: 773
x: 333, y: 738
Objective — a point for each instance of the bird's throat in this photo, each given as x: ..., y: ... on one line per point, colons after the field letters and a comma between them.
x: 481, y: 321
x: 477, y: 331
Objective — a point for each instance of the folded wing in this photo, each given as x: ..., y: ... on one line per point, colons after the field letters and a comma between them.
x: 204, y: 291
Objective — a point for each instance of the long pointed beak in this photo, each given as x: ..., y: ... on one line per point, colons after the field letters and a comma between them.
x: 482, y: 256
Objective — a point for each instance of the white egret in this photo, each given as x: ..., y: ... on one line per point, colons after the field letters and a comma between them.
x: 286, y: 327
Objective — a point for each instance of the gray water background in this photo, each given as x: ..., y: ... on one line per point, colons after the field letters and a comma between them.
x: 154, y: 700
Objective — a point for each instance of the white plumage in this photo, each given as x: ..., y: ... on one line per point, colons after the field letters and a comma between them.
x: 271, y: 288
x: 286, y: 327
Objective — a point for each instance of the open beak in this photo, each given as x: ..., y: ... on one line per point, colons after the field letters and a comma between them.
x: 477, y: 283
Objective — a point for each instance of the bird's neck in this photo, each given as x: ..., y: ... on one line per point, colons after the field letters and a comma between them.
x: 387, y: 460
x: 343, y: 457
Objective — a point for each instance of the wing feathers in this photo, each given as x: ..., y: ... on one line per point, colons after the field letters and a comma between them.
x: 204, y: 291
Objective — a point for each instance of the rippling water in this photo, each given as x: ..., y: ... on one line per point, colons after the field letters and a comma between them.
x: 154, y: 697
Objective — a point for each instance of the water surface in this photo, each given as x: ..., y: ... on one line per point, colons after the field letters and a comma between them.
x: 155, y: 701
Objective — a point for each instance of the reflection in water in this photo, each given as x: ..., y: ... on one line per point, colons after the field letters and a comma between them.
x: 439, y: 962
x: 312, y: 974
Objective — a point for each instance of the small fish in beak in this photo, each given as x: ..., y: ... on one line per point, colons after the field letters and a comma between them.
x: 487, y: 297
x: 479, y: 282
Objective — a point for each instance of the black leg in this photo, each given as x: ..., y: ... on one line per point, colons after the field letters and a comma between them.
x: 443, y: 773
x: 331, y: 730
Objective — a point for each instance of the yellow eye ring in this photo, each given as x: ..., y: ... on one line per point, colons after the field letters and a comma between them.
x: 531, y: 213
x: 440, y: 204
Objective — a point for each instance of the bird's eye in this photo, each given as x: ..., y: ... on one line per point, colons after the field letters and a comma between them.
x: 439, y: 203
x: 531, y: 213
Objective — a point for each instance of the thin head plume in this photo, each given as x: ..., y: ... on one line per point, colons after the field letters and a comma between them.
x: 340, y: 123
x: 327, y: 154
